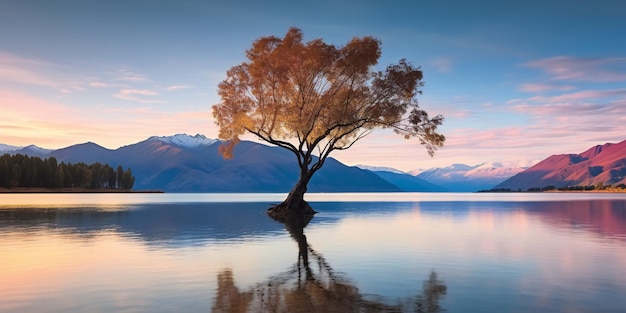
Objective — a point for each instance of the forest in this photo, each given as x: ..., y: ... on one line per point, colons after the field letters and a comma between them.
x: 33, y: 172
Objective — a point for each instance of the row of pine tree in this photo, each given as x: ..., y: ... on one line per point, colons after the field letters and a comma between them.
x: 33, y: 172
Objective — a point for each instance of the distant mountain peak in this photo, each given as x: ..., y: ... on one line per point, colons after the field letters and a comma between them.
x: 185, y: 141
x: 33, y: 149
x: 604, y: 164
x: 380, y: 168
x: 463, y: 177
x: 90, y: 145
x: 8, y: 148
x: 36, y: 150
x: 595, y: 150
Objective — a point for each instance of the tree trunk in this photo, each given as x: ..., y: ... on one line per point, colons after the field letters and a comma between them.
x: 294, y: 204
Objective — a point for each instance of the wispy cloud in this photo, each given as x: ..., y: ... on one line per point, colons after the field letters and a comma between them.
x: 71, y: 87
x: 29, y: 119
x: 142, y: 92
x: 582, y: 112
x: 17, y: 69
x: 28, y: 116
x: 564, y: 122
x: 559, y: 110
x: 36, y: 72
x: 569, y: 122
x: 539, y: 88
x: 98, y: 84
x: 137, y: 95
x: 580, y: 96
x: 130, y: 76
x: 177, y: 87
x: 582, y: 69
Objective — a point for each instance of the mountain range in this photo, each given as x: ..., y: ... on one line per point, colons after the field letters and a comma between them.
x: 601, y: 164
x: 466, y: 178
x: 183, y: 163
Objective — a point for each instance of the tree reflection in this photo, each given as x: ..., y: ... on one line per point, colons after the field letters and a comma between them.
x: 229, y: 298
x: 315, y: 287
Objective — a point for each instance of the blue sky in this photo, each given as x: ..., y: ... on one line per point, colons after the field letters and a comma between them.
x: 516, y: 81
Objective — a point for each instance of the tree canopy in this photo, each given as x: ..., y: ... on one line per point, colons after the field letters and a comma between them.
x: 33, y: 172
x: 314, y: 98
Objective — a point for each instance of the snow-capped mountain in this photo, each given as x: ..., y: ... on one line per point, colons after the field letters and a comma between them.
x: 495, y: 170
x: 185, y: 141
x: 456, y: 177
x: 462, y: 177
x: 380, y: 169
x: 183, y: 163
x: 28, y: 150
x: 192, y: 163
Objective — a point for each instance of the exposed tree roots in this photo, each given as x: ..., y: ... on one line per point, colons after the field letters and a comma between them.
x: 288, y: 210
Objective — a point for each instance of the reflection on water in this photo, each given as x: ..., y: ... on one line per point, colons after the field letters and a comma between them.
x: 303, y: 288
x: 174, y: 224
x: 603, y: 217
x: 494, y: 256
x: 279, y: 294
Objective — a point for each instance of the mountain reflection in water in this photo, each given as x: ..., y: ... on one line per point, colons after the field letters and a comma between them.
x: 178, y: 224
x: 318, y: 288
x: 165, y: 224
x: 530, y: 253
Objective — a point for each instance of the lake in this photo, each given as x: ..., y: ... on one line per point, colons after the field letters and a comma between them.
x: 370, y: 252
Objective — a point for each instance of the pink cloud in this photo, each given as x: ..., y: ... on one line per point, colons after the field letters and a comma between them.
x: 16, y: 105
x: 563, y: 121
x: 552, y: 125
x: 554, y: 110
x: 136, y: 95
x: 28, y: 119
x: 126, y: 75
x: 552, y: 129
x: 18, y: 69
x: 142, y: 92
x: 98, y: 84
x: 538, y: 88
x: 582, y: 69
x: 42, y: 121
x: 587, y: 95
x: 606, y: 103
x: 177, y: 87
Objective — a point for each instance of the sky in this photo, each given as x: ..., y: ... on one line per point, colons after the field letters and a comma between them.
x: 517, y: 81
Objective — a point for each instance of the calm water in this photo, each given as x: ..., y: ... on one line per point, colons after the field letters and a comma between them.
x: 403, y: 252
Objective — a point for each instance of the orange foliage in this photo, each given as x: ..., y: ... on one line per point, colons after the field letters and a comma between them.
x: 312, y: 97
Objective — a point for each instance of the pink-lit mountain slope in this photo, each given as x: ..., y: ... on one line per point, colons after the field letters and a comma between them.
x: 604, y: 164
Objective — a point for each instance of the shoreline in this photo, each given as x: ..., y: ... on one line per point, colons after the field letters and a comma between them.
x: 72, y: 190
x: 557, y: 191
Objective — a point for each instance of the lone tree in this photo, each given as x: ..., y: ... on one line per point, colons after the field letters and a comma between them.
x: 314, y: 98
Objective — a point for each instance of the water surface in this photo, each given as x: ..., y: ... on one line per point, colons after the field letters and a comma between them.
x: 378, y: 252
